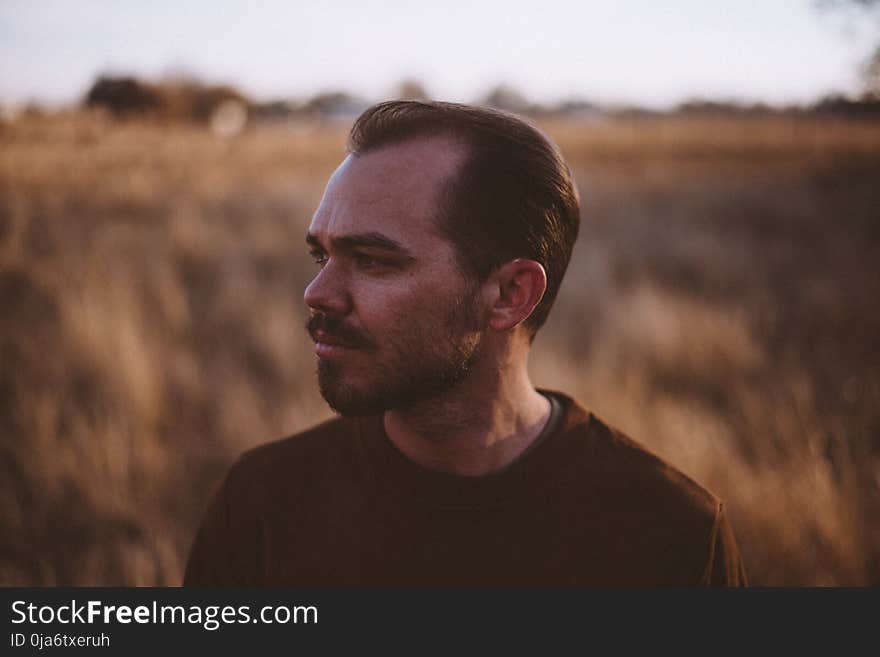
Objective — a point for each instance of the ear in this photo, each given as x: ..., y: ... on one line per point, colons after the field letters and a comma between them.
x: 518, y: 286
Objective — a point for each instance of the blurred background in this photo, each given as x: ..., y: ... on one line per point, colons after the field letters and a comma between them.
x: 159, y: 164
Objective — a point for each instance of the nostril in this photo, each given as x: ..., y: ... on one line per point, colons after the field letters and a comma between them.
x: 325, y: 293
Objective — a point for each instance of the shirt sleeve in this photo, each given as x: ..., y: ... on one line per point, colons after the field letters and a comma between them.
x: 226, y: 550
x: 725, y: 566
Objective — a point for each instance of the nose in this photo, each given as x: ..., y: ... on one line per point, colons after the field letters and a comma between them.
x: 327, y: 292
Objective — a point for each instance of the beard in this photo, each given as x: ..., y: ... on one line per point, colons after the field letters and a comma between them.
x: 418, y: 361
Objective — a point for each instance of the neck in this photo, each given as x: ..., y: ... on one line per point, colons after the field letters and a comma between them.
x: 480, y: 427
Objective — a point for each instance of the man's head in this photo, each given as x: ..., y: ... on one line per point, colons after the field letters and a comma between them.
x: 512, y: 197
x: 444, y: 224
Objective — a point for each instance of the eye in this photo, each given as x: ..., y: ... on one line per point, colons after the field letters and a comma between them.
x: 319, y: 257
x: 367, y: 262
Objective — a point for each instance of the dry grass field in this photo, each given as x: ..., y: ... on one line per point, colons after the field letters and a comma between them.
x: 721, y: 307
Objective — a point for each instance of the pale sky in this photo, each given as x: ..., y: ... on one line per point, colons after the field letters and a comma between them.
x: 638, y: 51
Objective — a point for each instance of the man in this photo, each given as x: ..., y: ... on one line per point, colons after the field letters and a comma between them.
x: 441, y: 242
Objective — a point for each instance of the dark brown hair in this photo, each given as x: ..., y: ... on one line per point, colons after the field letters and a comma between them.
x: 512, y: 198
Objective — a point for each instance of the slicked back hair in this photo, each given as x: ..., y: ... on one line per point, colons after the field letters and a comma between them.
x: 512, y: 198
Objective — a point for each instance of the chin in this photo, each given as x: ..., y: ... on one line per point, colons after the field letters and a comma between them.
x: 352, y: 405
x: 347, y: 398
x: 359, y: 391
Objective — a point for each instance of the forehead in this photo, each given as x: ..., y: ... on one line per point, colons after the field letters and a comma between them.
x: 394, y: 190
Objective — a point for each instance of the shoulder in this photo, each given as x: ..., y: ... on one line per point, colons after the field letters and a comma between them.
x: 631, y: 478
x: 660, y: 524
x: 647, y: 475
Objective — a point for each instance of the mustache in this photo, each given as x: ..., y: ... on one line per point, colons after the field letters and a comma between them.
x: 338, y: 330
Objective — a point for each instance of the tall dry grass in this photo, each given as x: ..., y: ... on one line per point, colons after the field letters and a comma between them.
x: 720, y: 307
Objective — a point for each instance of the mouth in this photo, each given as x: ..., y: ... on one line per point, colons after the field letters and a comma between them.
x: 329, y: 346
x: 332, y: 351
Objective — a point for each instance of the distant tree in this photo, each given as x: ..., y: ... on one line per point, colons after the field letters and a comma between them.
x: 505, y: 97
x: 871, y: 74
x: 411, y: 89
x: 870, y: 10
x: 335, y: 105
x: 124, y: 95
x: 176, y: 99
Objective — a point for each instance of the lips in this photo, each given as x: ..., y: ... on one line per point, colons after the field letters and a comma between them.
x: 330, y: 351
x: 329, y: 346
x: 333, y: 338
x: 323, y: 337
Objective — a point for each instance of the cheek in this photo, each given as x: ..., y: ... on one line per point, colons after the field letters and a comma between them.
x: 401, y: 308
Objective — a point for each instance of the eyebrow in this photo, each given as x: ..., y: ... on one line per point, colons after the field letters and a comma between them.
x: 364, y: 240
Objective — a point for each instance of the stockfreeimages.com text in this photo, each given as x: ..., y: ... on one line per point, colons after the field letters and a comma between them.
x: 211, y: 617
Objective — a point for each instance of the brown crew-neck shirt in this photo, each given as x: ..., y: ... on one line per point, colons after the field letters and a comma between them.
x: 339, y: 505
